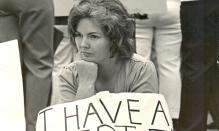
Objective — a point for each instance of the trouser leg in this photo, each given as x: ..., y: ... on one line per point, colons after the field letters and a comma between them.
x: 193, y: 104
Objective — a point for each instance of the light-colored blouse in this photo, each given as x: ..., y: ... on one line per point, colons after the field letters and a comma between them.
x: 136, y: 75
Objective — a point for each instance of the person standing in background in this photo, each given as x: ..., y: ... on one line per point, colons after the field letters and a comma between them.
x: 163, y: 30
x: 214, y: 93
x: 62, y: 56
x: 32, y: 22
x: 199, y: 57
x: 64, y: 53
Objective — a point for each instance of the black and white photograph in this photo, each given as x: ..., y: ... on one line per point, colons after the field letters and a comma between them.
x: 109, y: 65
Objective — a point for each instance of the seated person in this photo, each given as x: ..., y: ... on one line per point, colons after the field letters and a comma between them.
x: 102, y: 33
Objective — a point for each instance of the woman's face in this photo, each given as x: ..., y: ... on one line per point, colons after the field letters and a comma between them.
x: 91, y: 42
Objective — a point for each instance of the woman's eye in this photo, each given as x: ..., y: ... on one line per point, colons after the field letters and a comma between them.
x: 93, y: 36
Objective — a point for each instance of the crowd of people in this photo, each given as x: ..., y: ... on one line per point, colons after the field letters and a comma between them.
x: 174, y: 53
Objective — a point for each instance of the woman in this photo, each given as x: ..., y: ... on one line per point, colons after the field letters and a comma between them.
x: 103, y: 36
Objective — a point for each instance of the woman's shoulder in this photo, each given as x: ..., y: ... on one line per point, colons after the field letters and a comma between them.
x: 137, y: 64
x: 141, y: 75
x: 138, y: 60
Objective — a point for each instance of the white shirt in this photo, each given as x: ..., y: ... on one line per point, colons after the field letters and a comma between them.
x: 142, y: 6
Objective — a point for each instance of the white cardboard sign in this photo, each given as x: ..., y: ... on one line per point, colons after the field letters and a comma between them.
x: 108, y: 112
x: 11, y: 86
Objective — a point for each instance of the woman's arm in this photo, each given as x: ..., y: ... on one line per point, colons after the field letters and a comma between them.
x: 77, y: 81
x: 87, y: 72
x: 145, y: 79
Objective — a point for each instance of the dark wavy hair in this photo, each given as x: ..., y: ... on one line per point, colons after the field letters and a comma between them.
x: 114, y: 21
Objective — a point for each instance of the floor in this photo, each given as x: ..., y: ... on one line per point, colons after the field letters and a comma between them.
x: 209, y: 121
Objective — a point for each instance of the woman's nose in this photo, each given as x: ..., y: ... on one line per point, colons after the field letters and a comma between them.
x: 85, y: 43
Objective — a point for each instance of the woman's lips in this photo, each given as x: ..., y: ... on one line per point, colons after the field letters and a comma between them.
x: 84, y: 53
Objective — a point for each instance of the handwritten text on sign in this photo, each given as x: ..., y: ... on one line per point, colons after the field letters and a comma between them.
x: 108, y: 112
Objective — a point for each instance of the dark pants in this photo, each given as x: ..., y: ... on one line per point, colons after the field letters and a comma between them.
x: 198, y: 63
x: 31, y: 21
x: 214, y: 91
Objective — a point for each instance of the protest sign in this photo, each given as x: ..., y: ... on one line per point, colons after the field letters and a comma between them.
x: 108, y: 112
x: 11, y: 86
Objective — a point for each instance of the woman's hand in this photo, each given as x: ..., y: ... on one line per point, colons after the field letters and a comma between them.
x: 87, y: 73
